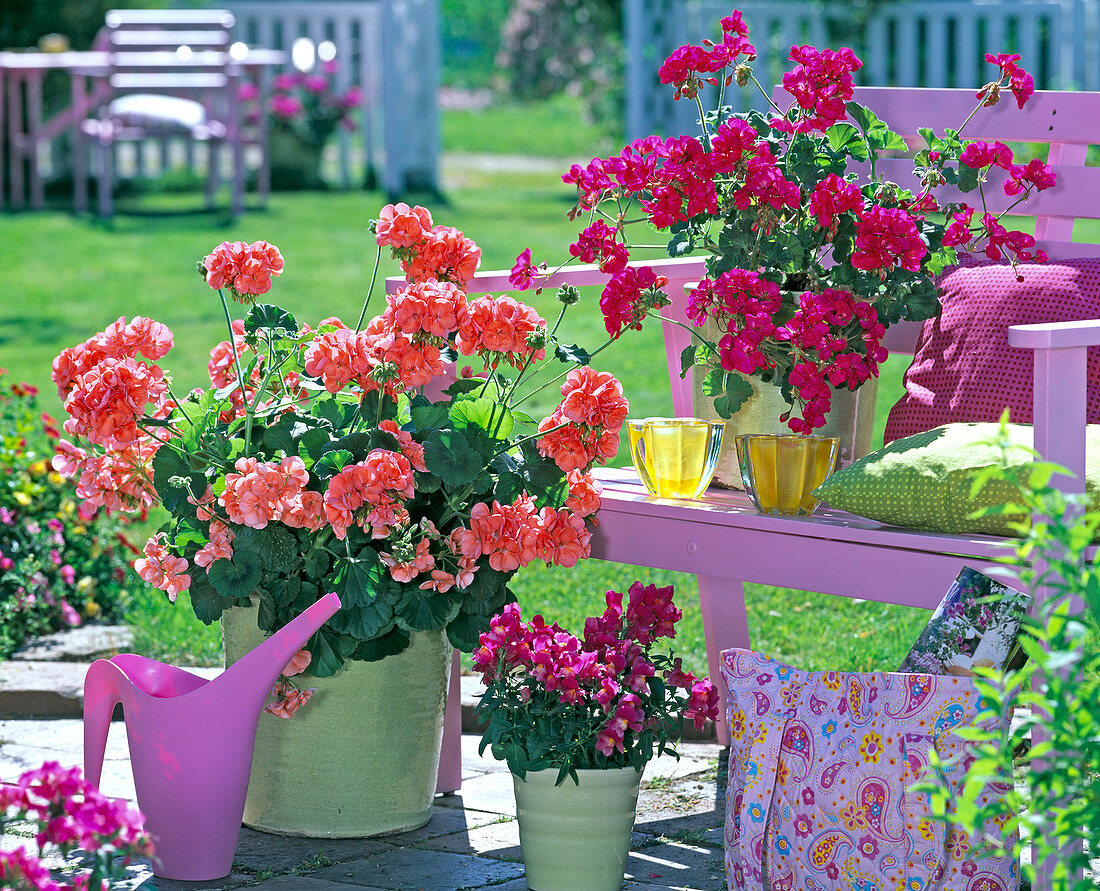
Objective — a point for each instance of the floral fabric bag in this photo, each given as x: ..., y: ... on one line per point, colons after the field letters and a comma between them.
x: 820, y: 767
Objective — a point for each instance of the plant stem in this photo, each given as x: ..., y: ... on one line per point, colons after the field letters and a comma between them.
x: 370, y: 289
x: 240, y: 373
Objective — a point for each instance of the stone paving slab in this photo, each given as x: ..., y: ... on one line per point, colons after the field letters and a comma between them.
x: 84, y: 644
x: 51, y: 689
x: 420, y: 870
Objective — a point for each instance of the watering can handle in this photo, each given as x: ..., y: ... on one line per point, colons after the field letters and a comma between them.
x: 103, y: 685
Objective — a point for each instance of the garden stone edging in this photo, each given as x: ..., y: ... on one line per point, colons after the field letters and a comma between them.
x: 51, y: 689
x: 84, y: 644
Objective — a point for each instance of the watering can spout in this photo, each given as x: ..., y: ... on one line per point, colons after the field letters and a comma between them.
x: 253, y: 675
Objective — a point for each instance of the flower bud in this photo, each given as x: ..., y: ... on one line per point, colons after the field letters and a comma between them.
x: 568, y: 295
x: 537, y: 340
x: 741, y: 74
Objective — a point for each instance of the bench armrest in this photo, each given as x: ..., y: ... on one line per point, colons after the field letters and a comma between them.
x: 1061, y: 352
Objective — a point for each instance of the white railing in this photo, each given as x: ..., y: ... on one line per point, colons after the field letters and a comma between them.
x: 920, y: 43
x: 390, y: 49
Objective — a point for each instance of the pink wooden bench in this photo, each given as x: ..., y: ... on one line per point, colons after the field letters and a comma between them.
x: 726, y: 543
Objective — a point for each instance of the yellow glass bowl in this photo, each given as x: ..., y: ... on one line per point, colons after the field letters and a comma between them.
x: 675, y: 457
x: 781, y: 470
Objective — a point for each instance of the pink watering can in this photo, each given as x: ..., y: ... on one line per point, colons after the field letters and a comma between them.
x: 190, y: 743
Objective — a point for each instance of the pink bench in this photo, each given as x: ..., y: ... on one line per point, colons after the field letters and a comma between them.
x: 726, y: 543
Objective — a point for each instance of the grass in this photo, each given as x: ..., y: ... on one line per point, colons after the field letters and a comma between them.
x: 64, y: 278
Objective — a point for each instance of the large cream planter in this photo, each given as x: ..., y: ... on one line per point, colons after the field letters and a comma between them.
x: 851, y: 419
x: 361, y: 757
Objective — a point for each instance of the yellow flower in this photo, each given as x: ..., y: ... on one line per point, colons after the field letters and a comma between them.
x: 22, y: 498
x: 54, y: 477
x: 91, y: 609
x: 924, y: 827
x: 85, y: 584
x: 68, y: 508
x: 80, y: 529
x: 871, y: 749
x: 39, y: 467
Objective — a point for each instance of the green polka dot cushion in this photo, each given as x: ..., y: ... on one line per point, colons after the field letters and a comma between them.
x: 924, y: 481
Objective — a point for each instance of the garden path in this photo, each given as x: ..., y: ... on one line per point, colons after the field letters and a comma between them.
x: 471, y: 842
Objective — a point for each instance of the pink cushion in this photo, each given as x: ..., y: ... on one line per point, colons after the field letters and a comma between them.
x: 963, y: 368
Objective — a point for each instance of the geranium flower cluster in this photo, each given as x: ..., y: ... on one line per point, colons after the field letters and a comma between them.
x: 555, y: 700
x: 770, y: 195
x: 348, y: 457
x: 70, y: 815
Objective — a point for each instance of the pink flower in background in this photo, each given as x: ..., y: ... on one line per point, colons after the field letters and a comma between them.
x: 70, y: 616
x: 286, y: 107
x: 286, y: 81
x: 315, y: 83
x: 248, y: 92
x: 352, y: 98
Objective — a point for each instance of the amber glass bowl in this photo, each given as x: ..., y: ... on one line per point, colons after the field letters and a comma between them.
x: 675, y: 457
x: 781, y: 470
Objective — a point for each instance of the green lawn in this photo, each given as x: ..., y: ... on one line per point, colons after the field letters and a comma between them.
x: 62, y: 279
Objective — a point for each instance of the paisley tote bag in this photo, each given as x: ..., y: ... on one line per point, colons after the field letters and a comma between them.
x: 820, y: 767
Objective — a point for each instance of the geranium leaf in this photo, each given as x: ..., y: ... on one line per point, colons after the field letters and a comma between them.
x: 331, y: 463
x: 714, y: 384
x: 484, y: 414
x: 272, y: 318
x: 328, y: 651
x: 237, y: 577
x: 357, y: 580
x: 464, y: 385
x: 175, y: 479
x: 687, y: 360
x: 418, y: 610
x: 464, y: 630
x: 572, y: 353
x: 448, y: 455
x: 364, y: 622
x: 207, y: 603
x: 843, y: 137
x: 681, y: 244
x: 389, y: 644
x: 429, y: 415
x: 735, y: 394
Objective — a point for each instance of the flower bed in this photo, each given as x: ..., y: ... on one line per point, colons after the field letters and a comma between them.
x: 62, y: 561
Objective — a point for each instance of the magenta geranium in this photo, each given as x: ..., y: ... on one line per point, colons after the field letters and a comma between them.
x: 68, y: 814
x: 770, y: 195
x: 608, y: 699
x: 308, y: 105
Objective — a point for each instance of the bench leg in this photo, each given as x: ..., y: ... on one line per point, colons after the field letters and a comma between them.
x: 449, y: 778
x: 725, y: 625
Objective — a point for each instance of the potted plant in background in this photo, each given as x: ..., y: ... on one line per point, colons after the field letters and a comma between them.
x: 577, y: 719
x: 807, y: 262
x: 331, y: 459
x: 304, y: 111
